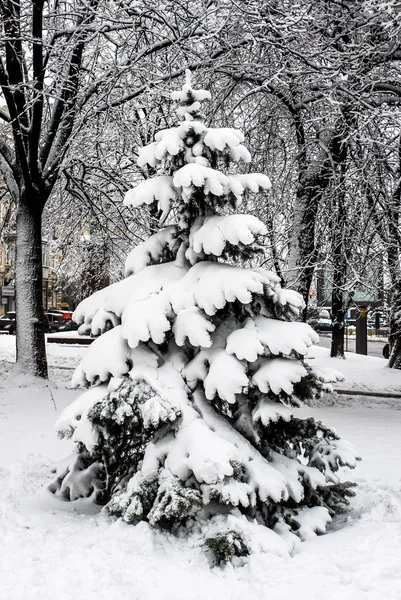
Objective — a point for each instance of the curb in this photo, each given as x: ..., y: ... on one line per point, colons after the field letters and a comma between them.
x: 365, y: 393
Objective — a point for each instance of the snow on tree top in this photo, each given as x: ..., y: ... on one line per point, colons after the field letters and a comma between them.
x: 182, y: 94
x: 189, y: 98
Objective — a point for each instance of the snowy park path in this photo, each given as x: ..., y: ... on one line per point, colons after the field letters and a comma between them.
x: 57, y: 550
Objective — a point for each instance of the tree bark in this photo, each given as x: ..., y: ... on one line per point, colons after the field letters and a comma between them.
x: 337, y: 338
x: 339, y: 250
x: 394, y: 337
x: 395, y: 327
x: 313, y: 180
x: 394, y: 263
x: 31, y: 349
x: 302, y: 255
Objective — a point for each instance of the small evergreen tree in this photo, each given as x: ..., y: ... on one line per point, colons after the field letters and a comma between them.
x: 199, y: 366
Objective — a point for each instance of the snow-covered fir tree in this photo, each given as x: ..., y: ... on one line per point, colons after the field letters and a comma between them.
x: 190, y: 419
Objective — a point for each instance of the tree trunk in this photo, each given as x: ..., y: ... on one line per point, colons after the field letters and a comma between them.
x: 313, y: 179
x: 337, y: 338
x: 31, y: 349
x: 302, y: 255
x: 394, y: 337
x: 339, y: 251
x: 394, y: 264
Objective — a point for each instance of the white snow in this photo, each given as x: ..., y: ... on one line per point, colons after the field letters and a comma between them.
x: 211, y: 234
x: 134, y: 288
x: 278, y: 375
x: 224, y: 376
x: 192, y: 324
x: 107, y: 355
x: 182, y: 94
x: 53, y: 549
x: 146, y: 320
x: 157, y: 189
x: 210, y: 286
x: 266, y: 411
x: 239, y: 153
x: 212, y: 181
x: 219, y: 138
x: 101, y: 320
x: 150, y: 250
x: 279, y: 337
x: 146, y: 155
x: 254, y: 182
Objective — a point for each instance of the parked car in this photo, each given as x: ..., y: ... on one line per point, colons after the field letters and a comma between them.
x: 7, y: 323
x: 323, y: 326
x: 51, y: 322
x: 69, y: 325
x: 66, y: 314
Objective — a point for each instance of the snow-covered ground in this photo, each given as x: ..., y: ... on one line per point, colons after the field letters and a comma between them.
x: 51, y: 549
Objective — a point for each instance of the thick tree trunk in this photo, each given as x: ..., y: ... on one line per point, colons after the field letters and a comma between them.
x: 395, y: 325
x: 337, y: 339
x: 339, y: 261
x: 302, y: 255
x: 394, y: 264
x: 313, y: 179
x: 31, y: 349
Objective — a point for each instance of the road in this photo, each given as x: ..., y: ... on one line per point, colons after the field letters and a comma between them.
x: 374, y: 348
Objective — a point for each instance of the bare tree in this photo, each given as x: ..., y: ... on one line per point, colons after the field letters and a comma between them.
x: 61, y: 64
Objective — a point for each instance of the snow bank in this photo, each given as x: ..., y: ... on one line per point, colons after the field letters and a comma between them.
x: 52, y: 549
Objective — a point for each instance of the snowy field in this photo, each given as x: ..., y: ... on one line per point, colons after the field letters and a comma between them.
x: 54, y: 550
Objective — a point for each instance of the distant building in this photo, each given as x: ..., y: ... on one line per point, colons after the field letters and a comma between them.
x: 51, y: 296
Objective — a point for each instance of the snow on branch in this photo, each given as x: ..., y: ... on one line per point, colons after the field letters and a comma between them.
x: 168, y: 142
x: 186, y: 91
x: 147, y: 320
x: 289, y: 298
x: 213, y: 182
x: 220, y: 138
x: 99, y: 363
x: 330, y: 456
x: 254, y: 182
x: 221, y: 374
x: 192, y: 324
x: 277, y: 337
x: 151, y: 250
x: 88, y: 308
x: 239, y: 153
x: 147, y: 156
x: 278, y: 375
x: 210, y: 286
x: 157, y: 189
x: 73, y: 416
x: 268, y: 411
x: 265, y: 480
x: 211, y: 234
x: 134, y: 288
x: 326, y: 374
x: 102, y: 321
x: 295, y: 472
